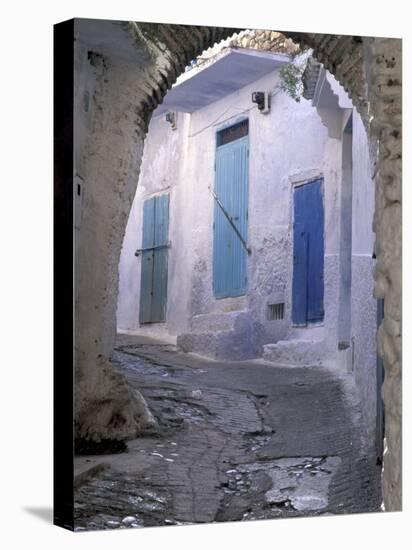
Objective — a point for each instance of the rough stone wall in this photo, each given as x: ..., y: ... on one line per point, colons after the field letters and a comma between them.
x: 168, y: 50
x: 343, y: 57
x: 255, y: 39
x: 370, y: 70
x: 384, y: 76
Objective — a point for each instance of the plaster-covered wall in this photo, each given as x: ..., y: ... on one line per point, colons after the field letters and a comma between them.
x: 163, y: 171
x: 288, y: 145
x: 363, y: 303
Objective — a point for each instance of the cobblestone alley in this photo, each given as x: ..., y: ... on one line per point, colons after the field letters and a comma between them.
x: 236, y: 441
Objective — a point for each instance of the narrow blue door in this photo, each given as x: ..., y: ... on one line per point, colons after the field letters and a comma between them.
x: 231, y: 189
x: 147, y: 257
x: 308, y: 254
x: 153, y: 289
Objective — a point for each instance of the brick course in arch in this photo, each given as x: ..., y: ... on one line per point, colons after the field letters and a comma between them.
x: 108, y: 150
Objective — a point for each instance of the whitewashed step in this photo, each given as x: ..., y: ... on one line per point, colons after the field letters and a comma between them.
x: 207, y: 344
x: 230, y: 336
x: 216, y: 322
x: 315, y: 332
x: 296, y: 352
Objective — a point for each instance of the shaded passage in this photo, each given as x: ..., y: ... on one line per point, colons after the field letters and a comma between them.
x: 236, y: 441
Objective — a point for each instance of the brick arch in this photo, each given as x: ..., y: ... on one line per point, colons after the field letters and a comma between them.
x: 125, y: 92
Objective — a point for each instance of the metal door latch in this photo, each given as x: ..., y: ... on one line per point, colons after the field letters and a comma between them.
x: 140, y: 250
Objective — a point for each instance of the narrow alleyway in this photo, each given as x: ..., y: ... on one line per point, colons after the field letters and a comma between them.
x: 236, y: 441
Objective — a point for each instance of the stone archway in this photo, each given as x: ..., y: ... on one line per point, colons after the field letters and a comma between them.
x: 119, y: 81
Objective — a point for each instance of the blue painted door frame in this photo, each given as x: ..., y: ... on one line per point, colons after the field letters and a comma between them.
x: 153, y: 288
x: 231, y: 188
x: 308, y: 253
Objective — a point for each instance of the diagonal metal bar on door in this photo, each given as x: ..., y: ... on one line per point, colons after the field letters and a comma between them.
x: 229, y: 219
x: 140, y: 250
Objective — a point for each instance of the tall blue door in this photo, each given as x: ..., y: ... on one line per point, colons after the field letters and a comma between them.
x: 308, y: 254
x: 231, y: 190
x: 153, y: 288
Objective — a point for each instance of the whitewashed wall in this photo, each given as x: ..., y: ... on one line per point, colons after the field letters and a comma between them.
x: 363, y: 304
x: 163, y: 171
x: 288, y: 144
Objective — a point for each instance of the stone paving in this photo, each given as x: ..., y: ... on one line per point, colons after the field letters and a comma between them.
x: 236, y: 441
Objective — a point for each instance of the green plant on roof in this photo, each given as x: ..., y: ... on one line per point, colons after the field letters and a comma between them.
x: 291, y: 80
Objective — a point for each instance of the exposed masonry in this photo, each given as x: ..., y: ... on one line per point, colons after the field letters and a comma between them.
x: 124, y: 95
x: 384, y: 77
x: 255, y: 39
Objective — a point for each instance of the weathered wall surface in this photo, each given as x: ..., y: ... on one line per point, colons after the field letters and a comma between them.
x: 287, y: 145
x: 363, y: 304
x: 270, y: 162
x: 162, y: 171
x: 122, y: 72
x: 383, y: 68
x: 355, y: 62
x: 370, y: 69
x: 107, y: 158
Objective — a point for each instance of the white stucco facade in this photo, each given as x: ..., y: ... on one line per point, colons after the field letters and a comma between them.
x: 287, y: 146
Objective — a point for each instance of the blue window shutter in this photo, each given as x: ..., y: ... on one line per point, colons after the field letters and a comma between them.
x: 231, y: 187
x: 154, y: 269
x: 159, y: 298
x: 147, y: 258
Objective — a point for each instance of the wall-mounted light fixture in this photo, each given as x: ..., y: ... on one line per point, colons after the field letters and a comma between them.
x: 171, y: 117
x: 262, y: 99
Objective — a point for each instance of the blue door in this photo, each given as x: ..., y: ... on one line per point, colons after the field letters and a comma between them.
x: 308, y: 254
x: 154, y: 252
x: 230, y: 218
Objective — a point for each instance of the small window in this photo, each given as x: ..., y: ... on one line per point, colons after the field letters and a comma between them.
x: 276, y: 312
x: 237, y: 131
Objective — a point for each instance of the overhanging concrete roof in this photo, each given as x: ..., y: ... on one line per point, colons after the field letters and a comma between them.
x: 225, y: 73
